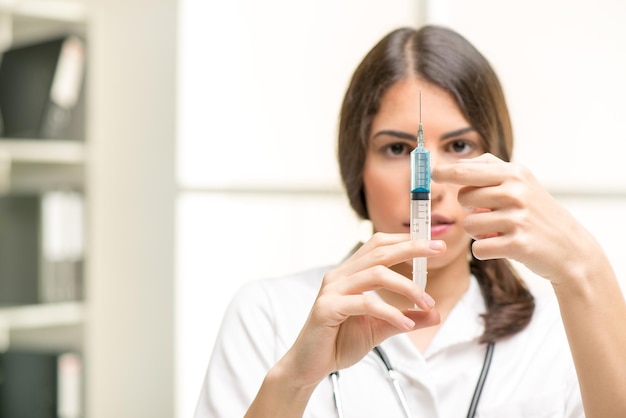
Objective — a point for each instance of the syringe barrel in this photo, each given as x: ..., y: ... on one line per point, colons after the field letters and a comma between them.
x: 420, y: 208
x: 420, y: 219
x: 420, y: 230
x: 420, y: 272
x: 420, y: 171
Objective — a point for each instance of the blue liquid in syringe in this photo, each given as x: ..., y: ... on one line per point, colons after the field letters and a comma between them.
x: 420, y: 176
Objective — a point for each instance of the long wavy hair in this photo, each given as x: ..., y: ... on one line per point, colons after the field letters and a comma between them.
x: 444, y: 58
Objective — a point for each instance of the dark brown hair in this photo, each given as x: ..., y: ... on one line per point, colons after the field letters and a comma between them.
x: 444, y: 58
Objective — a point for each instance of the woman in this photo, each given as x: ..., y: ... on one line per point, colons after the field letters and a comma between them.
x: 480, y: 344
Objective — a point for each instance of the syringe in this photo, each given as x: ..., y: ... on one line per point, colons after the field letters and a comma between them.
x: 420, y: 200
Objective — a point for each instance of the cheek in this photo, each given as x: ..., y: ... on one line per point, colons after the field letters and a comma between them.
x: 386, y: 191
x: 376, y: 191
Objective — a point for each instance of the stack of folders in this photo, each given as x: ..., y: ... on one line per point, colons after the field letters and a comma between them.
x: 41, y: 248
x: 41, y: 89
x: 19, y: 249
x: 61, y: 277
x: 40, y: 385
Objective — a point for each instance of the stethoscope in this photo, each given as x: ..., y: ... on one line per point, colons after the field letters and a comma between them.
x: 391, y: 373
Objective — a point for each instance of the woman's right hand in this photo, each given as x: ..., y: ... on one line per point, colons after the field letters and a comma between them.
x: 345, y: 322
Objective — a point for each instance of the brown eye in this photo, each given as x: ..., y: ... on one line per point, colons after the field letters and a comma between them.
x: 397, y: 149
x: 460, y: 147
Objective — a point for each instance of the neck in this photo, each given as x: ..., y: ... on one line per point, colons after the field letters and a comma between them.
x: 446, y: 285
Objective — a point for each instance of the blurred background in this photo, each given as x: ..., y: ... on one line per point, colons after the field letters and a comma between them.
x: 190, y: 147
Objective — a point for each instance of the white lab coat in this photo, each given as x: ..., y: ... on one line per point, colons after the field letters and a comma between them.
x: 532, y: 374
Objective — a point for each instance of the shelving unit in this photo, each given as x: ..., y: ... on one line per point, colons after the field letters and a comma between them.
x: 36, y: 166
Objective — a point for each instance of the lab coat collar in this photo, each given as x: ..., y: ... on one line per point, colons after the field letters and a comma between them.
x: 464, y: 323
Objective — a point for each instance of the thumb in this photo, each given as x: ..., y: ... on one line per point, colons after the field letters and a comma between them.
x: 422, y: 319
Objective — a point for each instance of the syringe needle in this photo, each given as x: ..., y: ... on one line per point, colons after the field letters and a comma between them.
x: 420, y: 107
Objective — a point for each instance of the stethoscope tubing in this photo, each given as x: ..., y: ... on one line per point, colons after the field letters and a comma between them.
x: 391, y: 373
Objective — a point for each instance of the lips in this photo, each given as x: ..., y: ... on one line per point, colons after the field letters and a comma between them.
x: 439, y: 225
x: 436, y: 220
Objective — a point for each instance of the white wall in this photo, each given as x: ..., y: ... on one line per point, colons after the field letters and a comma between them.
x: 260, y: 85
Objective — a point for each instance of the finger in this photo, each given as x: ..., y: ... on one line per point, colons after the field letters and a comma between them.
x: 389, y: 255
x: 420, y: 320
x: 471, y: 173
x: 377, y: 240
x: 513, y: 194
x: 501, y: 246
x: 423, y: 319
x: 473, y: 199
x: 488, y: 224
x: 370, y: 305
x: 378, y: 277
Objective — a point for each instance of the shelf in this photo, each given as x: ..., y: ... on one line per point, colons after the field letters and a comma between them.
x: 42, y: 151
x: 27, y: 21
x: 42, y: 316
x: 61, y: 10
x: 54, y: 326
x: 34, y: 166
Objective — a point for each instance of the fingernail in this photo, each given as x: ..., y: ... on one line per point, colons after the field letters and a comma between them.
x: 435, y: 245
x: 410, y: 324
x: 429, y: 300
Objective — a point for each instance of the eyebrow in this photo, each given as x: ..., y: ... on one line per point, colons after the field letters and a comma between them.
x: 458, y: 132
x: 411, y: 137
x: 397, y: 134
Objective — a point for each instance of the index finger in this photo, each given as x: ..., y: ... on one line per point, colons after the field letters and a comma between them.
x: 483, y: 171
x: 390, y: 254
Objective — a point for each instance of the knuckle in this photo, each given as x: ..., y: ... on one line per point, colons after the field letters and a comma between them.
x: 330, y: 277
x: 521, y: 244
x: 417, y: 245
x: 322, y: 303
x: 459, y: 171
x: 520, y: 172
x: 379, y: 238
x: 368, y: 302
x: 378, y: 271
x: 516, y: 196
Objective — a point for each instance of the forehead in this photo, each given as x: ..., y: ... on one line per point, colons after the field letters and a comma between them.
x: 400, y: 107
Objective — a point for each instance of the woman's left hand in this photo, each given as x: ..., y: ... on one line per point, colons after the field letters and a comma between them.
x: 510, y: 215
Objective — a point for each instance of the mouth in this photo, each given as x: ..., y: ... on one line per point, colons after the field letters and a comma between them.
x: 438, y: 225
x: 438, y: 220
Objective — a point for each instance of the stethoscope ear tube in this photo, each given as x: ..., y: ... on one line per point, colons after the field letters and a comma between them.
x: 481, y: 380
x: 394, y: 381
x: 334, y: 377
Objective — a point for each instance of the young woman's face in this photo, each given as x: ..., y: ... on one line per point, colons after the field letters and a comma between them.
x: 447, y: 135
